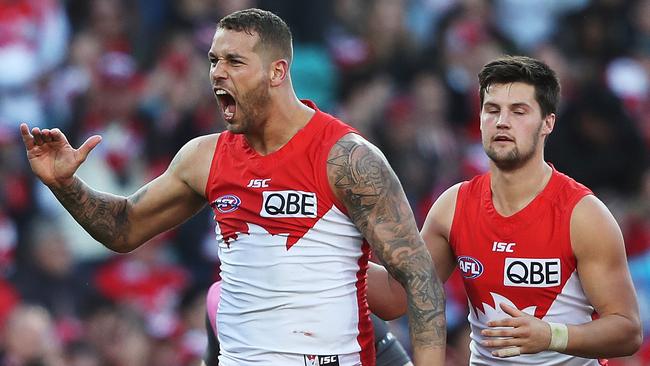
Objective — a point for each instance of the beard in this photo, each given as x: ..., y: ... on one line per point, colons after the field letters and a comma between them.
x: 514, y: 158
x: 252, y: 108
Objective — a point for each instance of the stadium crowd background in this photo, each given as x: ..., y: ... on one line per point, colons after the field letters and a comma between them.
x: 402, y: 71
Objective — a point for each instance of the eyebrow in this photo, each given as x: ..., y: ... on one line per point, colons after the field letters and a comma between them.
x: 520, y: 105
x: 513, y: 105
x: 228, y: 56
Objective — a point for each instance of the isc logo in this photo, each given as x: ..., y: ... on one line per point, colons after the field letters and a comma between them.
x: 258, y: 183
x: 527, y: 272
x: 498, y: 246
x: 289, y: 204
x: 469, y: 267
x: 314, y: 360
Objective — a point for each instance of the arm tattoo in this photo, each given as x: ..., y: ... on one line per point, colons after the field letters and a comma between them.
x: 102, y: 215
x: 376, y: 203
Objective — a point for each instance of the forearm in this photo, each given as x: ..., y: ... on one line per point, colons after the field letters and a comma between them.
x: 362, y: 179
x: 425, y: 305
x: 104, y: 216
x: 386, y: 296
x: 610, y: 336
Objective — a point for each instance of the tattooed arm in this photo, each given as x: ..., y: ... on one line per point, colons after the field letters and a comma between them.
x: 120, y: 223
x: 363, y: 180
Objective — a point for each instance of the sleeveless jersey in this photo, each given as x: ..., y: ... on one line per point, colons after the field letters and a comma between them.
x: 293, y: 265
x: 524, y: 260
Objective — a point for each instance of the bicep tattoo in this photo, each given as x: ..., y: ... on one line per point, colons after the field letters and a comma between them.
x: 376, y: 203
x: 360, y: 177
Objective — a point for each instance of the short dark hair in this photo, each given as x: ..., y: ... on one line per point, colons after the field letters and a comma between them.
x: 510, y: 69
x: 274, y: 34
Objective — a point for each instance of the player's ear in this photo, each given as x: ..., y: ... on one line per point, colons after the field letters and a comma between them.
x: 548, y: 124
x: 279, y: 71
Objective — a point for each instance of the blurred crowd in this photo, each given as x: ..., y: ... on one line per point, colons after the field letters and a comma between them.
x: 401, y: 71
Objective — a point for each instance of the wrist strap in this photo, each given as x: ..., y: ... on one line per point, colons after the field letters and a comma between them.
x: 559, y: 337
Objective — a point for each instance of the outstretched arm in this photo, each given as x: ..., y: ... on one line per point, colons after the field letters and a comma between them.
x: 120, y: 223
x: 363, y: 180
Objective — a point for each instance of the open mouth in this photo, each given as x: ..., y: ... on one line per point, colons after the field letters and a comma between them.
x: 227, y: 103
x: 502, y: 138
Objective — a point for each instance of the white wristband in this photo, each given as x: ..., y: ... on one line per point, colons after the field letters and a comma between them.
x: 559, y: 337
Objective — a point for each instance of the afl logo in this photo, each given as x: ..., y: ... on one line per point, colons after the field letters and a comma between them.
x: 227, y: 203
x: 469, y: 267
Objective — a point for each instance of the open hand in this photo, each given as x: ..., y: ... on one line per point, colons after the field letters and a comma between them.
x: 51, y: 157
x: 523, y: 333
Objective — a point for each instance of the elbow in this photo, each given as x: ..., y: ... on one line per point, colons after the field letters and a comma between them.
x: 121, y: 249
x: 125, y: 247
x: 118, y: 240
x: 119, y: 246
x: 387, y: 303
x: 638, y: 341
x: 635, y: 339
x: 632, y: 345
x: 391, y: 312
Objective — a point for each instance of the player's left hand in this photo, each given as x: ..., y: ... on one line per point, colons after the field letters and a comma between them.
x: 525, y: 334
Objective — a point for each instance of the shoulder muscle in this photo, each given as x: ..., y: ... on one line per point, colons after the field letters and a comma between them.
x: 192, y: 162
x: 441, y: 214
x: 593, y: 228
x: 436, y: 228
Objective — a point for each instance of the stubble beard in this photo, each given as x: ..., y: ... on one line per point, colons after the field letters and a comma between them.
x: 252, y: 109
x: 513, y: 159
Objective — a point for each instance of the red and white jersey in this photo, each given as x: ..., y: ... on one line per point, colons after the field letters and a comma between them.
x: 293, y: 264
x: 524, y: 260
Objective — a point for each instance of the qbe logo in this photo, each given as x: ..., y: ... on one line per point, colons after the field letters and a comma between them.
x: 289, y: 204
x: 316, y: 360
x: 528, y: 272
x: 469, y: 267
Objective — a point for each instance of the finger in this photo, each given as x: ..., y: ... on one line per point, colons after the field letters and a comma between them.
x: 501, y: 342
x: 511, y: 310
x: 58, y: 136
x: 508, y: 332
x: 88, y: 145
x: 38, y: 137
x: 507, y: 352
x: 28, y: 139
x: 47, y: 136
x: 505, y: 322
